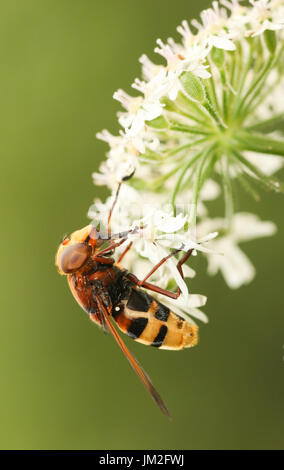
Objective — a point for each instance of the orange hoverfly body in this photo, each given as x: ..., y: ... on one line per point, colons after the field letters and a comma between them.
x: 105, y: 290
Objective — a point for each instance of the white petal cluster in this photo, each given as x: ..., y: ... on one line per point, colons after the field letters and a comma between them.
x: 224, y: 26
x: 228, y: 258
x: 192, y: 117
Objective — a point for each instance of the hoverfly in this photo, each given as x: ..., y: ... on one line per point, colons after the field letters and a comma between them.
x: 105, y: 290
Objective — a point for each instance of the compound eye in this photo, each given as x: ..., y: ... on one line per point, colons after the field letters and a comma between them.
x: 74, y: 257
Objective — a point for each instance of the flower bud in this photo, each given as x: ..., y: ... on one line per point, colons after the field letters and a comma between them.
x: 158, y: 123
x: 218, y: 56
x: 193, y: 87
x: 270, y: 40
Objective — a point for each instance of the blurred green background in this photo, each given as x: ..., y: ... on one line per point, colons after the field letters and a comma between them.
x: 63, y: 383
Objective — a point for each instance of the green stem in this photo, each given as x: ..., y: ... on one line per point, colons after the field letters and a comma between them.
x: 209, y: 167
x: 239, y: 54
x: 242, y: 77
x: 181, y: 176
x: 231, y: 84
x: 270, y: 183
x: 184, y: 147
x: 233, y: 68
x: 272, y: 62
x: 179, y: 110
x: 198, y: 184
x: 224, y: 96
x: 264, y: 94
x: 188, y: 103
x: 189, y: 130
x: 228, y: 191
x: 259, y: 57
x: 155, y: 184
x: 213, y: 89
x: 246, y: 185
x: 212, y: 111
x: 260, y: 143
x: 255, y: 86
x: 267, y: 125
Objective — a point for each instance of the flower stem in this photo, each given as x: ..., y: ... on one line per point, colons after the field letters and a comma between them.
x: 195, y: 142
x: 242, y: 76
x: 188, y: 129
x: 271, y: 184
x: 224, y: 97
x: 255, y: 85
x: 267, y: 125
x: 181, y: 177
x: 155, y: 184
x: 214, y: 94
x: 243, y: 180
x: 192, y: 117
x: 184, y: 100
x: 199, y: 181
x: 228, y: 191
x: 212, y: 111
x: 255, y: 93
x: 209, y: 167
x: 259, y: 143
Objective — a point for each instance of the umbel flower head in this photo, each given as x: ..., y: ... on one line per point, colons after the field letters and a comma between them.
x: 205, y: 122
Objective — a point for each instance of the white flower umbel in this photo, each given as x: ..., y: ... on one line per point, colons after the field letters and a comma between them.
x: 228, y: 257
x: 206, y: 122
x: 219, y: 96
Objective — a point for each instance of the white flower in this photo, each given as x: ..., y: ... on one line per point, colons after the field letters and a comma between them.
x: 188, y: 37
x: 131, y: 104
x: 210, y: 190
x: 233, y: 263
x: 115, y: 169
x: 154, y: 89
x: 268, y: 164
x: 149, y: 69
x: 212, y: 29
x: 207, y: 113
x: 195, y: 60
x: 220, y: 28
x: 166, y: 51
x: 187, y: 307
x: 106, y: 176
x: 260, y: 17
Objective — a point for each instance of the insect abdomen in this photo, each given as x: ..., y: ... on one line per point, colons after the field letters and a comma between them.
x: 148, y: 321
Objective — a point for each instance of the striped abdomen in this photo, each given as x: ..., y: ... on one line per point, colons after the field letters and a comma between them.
x: 148, y: 321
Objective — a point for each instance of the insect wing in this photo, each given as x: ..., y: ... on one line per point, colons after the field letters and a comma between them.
x: 134, y: 363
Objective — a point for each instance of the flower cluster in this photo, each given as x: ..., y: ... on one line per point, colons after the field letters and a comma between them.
x: 205, y: 123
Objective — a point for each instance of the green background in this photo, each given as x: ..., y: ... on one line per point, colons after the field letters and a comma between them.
x: 63, y: 383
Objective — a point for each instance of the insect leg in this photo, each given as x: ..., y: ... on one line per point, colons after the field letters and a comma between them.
x: 154, y: 269
x: 159, y: 290
x: 182, y: 261
x: 110, y: 247
x: 152, y: 287
x: 124, y: 253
